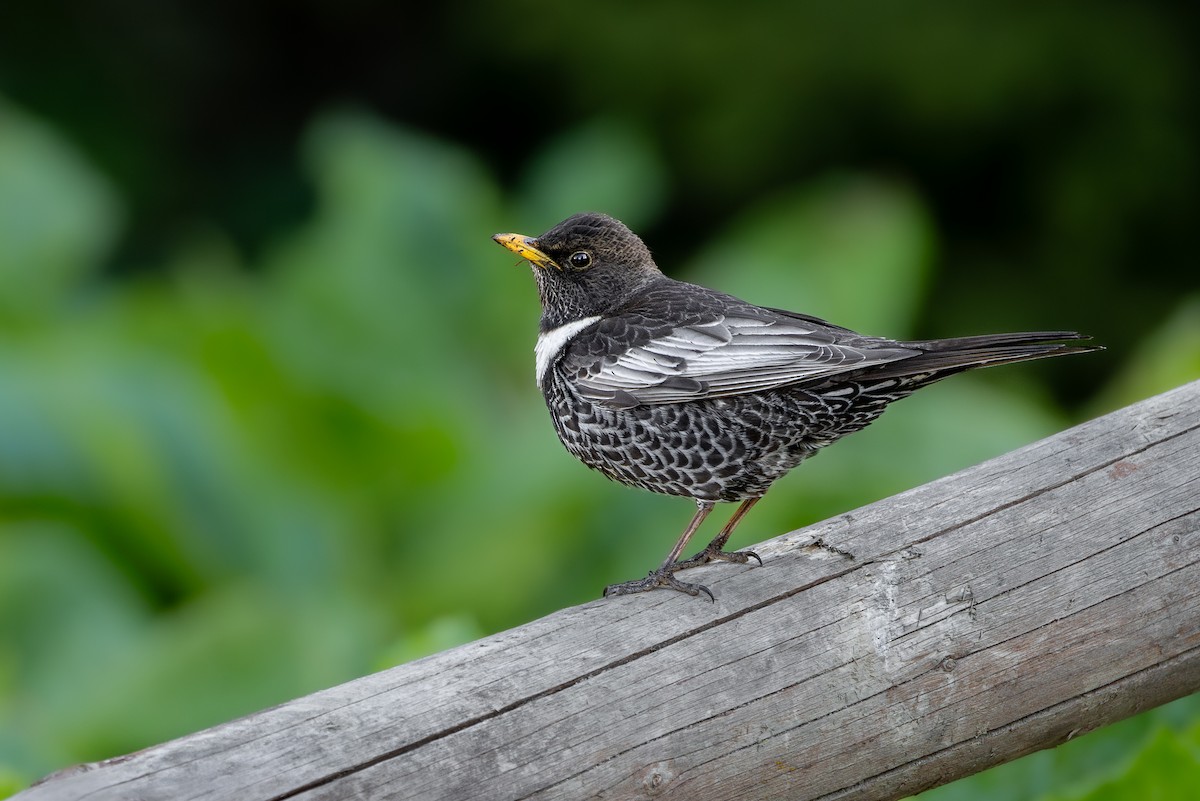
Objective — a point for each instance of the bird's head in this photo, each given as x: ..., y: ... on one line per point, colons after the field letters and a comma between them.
x: 589, y: 264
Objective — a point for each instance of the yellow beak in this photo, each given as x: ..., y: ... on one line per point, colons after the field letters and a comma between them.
x: 523, y: 246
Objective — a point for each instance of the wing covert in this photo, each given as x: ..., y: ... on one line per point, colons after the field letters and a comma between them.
x: 726, y: 354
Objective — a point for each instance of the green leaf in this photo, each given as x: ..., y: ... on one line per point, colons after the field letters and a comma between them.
x: 10, y: 782
x: 1165, y: 770
x: 58, y: 216
x: 439, y: 634
x: 606, y: 165
x: 854, y: 250
x: 64, y: 606
x: 1168, y: 358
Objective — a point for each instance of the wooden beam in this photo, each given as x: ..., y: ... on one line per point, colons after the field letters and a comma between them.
x: 1004, y: 609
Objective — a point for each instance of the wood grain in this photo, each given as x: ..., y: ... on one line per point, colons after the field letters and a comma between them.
x: 1001, y: 610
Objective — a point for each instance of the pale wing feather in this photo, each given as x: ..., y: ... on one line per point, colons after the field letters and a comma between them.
x: 730, y: 356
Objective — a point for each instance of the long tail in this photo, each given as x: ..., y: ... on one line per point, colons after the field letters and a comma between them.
x: 943, y: 357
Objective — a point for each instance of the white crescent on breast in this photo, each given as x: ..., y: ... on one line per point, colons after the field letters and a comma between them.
x: 550, y: 344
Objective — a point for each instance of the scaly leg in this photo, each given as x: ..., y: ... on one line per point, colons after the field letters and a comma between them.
x: 713, y: 553
x: 662, y: 577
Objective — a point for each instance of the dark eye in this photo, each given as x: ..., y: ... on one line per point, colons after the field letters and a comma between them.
x: 580, y: 259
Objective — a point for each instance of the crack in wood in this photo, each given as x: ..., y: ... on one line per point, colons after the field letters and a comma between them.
x: 1147, y: 675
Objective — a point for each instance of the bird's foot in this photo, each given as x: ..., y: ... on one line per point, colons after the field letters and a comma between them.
x: 661, y: 578
x: 711, y: 554
x: 664, y: 577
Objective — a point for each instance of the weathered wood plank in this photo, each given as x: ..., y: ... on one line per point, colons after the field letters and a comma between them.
x: 983, y: 616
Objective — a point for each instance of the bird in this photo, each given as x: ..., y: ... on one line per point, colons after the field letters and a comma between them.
x: 682, y: 390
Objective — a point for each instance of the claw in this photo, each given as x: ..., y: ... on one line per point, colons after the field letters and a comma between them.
x: 660, y: 578
x: 709, y: 555
x: 664, y: 576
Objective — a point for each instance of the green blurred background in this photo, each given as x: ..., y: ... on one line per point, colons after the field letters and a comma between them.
x: 267, y: 414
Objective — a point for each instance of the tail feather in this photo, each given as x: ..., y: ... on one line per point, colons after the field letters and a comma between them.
x: 943, y: 357
x: 996, y: 340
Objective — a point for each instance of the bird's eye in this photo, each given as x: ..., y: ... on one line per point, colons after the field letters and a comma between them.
x: 581, y: 259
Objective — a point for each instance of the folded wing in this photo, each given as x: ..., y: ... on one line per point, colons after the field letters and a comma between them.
x: 718, y: 357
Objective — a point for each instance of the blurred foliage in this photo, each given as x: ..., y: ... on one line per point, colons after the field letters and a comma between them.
x: 1054, y: 143
x: 252, y: 446
x: 300, y: 473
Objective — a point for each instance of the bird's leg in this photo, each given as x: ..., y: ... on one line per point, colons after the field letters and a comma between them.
x: 702, y: 510
x: 713, y: 553
x: 661, y: 577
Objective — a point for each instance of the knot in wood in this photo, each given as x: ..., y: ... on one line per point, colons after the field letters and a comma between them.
x: 657, y: 777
